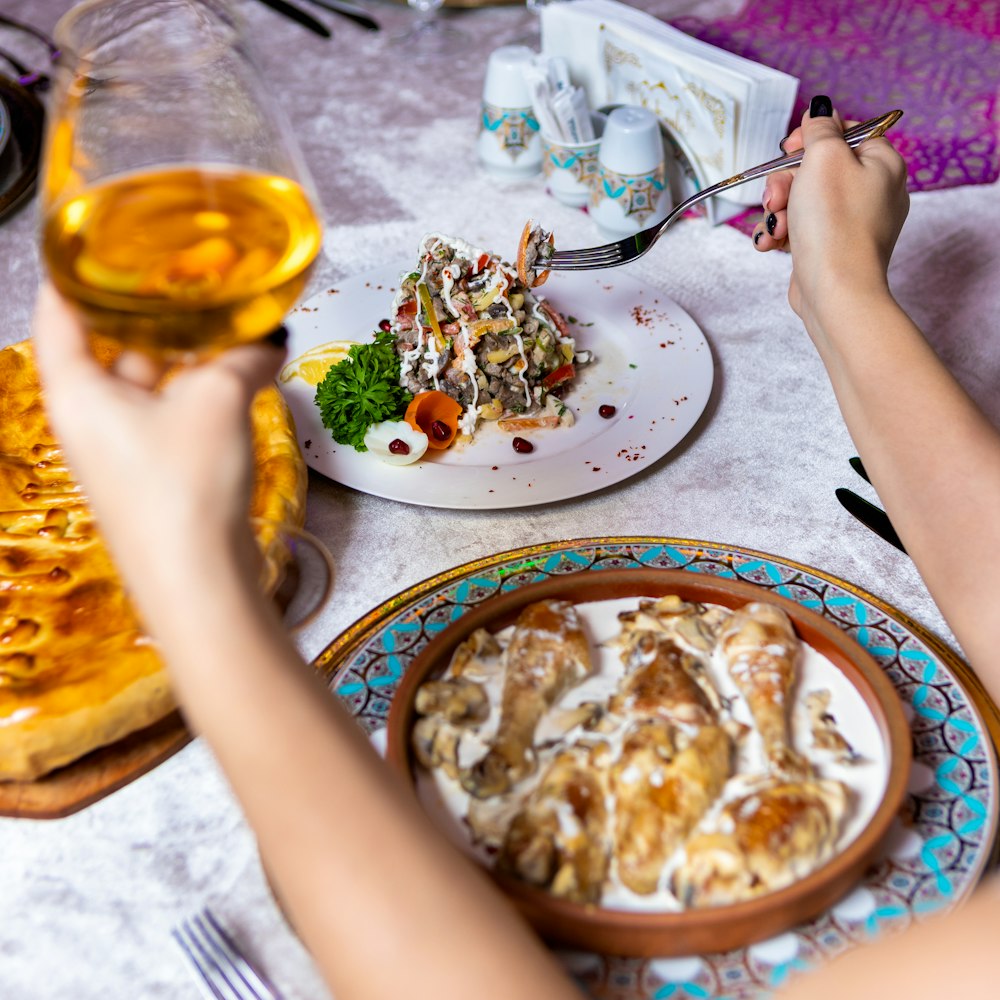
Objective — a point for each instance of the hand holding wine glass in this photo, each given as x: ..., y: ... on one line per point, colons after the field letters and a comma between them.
x: 178, y: 216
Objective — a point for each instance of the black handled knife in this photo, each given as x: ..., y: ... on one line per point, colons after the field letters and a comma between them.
x: 299, y: 16
x: 870, y: 516
x: 351, y: 11
x: 857, y: 466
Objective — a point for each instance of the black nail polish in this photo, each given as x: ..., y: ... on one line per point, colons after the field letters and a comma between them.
x: 279, y: 337
x: 781, y: 145
x: 756, y: 237
x: 770, y: 222
x: 820, y: 107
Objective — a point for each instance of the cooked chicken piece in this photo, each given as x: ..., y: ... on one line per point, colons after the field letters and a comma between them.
x: 761, y: 651
x: 659, y: 683
x: 559, y: 840
x: 694, y: 627
x: 766, y: 840
x: 548, y: 654
x: 825, y: 734
x: 661, y: 795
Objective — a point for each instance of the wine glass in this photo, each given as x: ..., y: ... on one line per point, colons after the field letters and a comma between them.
x: 177, y: 214
x: 430, y: 36
x: 296, y: 570
x: 533, y: 36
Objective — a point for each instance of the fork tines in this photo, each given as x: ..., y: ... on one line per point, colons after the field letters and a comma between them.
x: 584, y: 260
x: 222, y: 969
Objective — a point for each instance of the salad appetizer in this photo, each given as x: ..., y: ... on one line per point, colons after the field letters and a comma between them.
x: 467, y: 341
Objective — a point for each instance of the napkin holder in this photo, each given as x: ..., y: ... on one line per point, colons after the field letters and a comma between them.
x: 720, y: 112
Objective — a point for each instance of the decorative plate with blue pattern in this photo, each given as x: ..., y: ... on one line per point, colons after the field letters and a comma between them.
x: 928, y: 864
x: 4, y: 125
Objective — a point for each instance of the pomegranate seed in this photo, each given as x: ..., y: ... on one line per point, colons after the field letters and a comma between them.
x: 384, y: 324
x: 399, y: 447
x: 522, y: 446
x: 440, y: 431
x: 607, y: 411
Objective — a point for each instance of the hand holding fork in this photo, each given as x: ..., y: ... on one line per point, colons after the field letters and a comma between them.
x: 630, y: 247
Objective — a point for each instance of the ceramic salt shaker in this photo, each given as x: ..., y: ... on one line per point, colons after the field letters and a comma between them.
x: 631, y: 191
x: 509, y: 143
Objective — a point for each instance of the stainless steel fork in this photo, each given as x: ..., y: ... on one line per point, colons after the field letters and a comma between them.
x: 630, y: 247
x: 223, y: 972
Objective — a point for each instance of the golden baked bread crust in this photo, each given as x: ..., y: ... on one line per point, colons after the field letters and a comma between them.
x: 76, y: 670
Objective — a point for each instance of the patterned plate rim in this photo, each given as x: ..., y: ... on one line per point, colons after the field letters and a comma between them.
x: 335, y: 654
x: 339, y: 657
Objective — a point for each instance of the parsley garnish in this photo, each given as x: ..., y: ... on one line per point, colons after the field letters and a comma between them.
x: 362, y: 390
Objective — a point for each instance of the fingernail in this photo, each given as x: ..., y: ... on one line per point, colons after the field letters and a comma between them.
x: 781, y: 145
x: 279, y: 337
x: 820, y: 107
x: 756, y: 237
x: 770, y: 222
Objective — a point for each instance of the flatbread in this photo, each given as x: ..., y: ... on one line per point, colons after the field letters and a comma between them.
x: 77, y: 671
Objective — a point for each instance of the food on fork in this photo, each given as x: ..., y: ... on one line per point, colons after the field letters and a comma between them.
x: 77, y: 671
x: 534, y: 250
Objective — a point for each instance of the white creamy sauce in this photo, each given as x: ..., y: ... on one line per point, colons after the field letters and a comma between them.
x: 425, y: 351
x: 455, y: 809
x: 523, y: 369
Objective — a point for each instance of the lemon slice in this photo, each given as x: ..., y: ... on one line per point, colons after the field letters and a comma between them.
x: 312, y: 366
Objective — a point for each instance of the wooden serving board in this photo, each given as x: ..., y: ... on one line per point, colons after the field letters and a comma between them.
x: 71, y: 788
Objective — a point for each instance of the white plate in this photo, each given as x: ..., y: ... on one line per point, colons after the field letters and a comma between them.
x: 652, y: 364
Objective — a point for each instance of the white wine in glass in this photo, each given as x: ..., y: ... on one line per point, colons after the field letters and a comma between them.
x: 177, y: 214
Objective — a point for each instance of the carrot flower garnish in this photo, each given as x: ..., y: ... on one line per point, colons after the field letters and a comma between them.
x: 436, y: 414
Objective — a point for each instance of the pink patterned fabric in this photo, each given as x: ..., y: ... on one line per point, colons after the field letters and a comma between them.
x: 938, y: 60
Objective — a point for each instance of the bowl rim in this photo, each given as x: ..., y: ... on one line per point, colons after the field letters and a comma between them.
x: 845, y: 653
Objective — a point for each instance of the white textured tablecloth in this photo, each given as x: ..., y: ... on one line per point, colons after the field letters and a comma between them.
x: 86, y: 902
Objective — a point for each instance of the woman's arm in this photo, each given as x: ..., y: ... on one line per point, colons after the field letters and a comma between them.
x: 922, y: 963
x: 386, y: 906
x: 933, y: 456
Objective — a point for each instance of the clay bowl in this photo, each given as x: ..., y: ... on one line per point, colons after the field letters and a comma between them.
x: 694, y: 931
